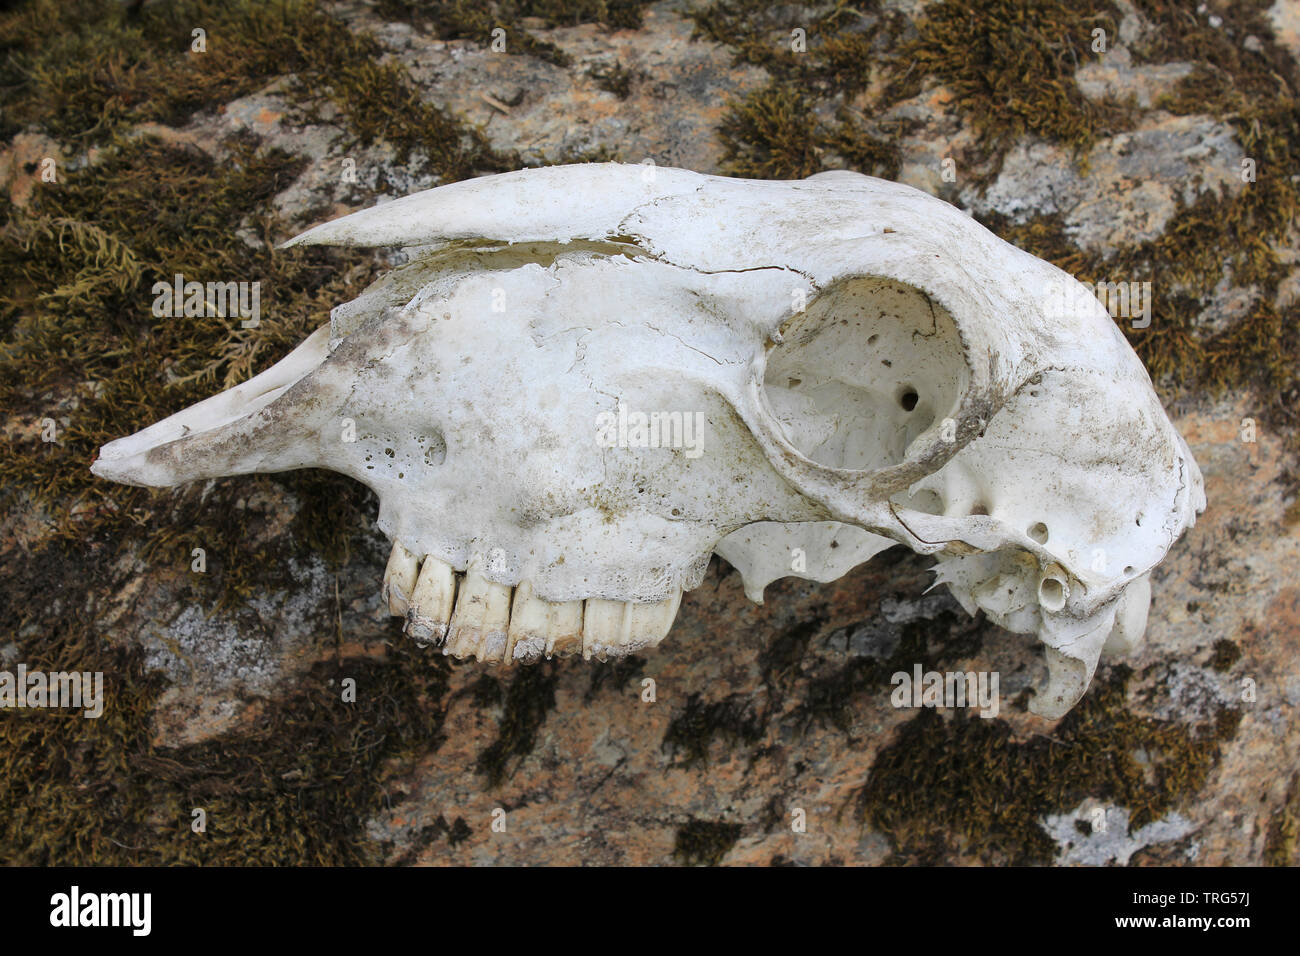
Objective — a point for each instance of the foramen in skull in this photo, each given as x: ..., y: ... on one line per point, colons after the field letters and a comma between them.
x: 870, y: 366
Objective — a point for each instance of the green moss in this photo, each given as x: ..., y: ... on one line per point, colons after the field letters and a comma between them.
x: 86, y: 74
x: 1010, y: 65
x: 965, y: 784
x: 1227, y: 73
x: 1238, y: 235
x: 81, y: 344
x: 775, y: 133
x: 826, y: 49
x: 704, y: 842
x: 770, y: 134
x: 294, y: 788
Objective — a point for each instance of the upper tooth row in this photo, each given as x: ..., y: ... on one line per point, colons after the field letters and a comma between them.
x: 469, y: 615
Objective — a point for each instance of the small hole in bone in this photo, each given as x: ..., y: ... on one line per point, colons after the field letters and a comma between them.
x: 1039, y: 533
x: 1051, y: 594
x: 979, y: 509
x: 908, y: 399
x: 1128, y: 569
x: 871, y: 340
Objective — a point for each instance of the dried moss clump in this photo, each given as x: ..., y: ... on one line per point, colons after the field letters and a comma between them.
x: 294, y: 788
x: 965, y: 785
x: 806, y: 119
x: 704, y: 842
x: 1281, y: 841
x: 84, y: 74
x: 1011, y: 64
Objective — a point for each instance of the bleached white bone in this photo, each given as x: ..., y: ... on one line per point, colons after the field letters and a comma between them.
x: 588, y: 379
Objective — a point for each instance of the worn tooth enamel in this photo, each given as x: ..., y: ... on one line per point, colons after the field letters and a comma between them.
x: 565, y: 635
x: 431, y: 604
x: 480, y: 619
x: 605, y: 624
x: 619, y: 628
x: 542, y: 628
x: 399, y: 580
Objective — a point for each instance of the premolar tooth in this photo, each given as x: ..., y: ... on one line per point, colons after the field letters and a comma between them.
x: 431, y: 604
x: 619, y: 628
x: 399, y: 580
x: 540, y: 627
x: 480, y: 620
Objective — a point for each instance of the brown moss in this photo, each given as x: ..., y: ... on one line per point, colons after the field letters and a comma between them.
x: 1225, y: 654
x: 775, y: 133
x: 966, y: 784
x: 704, y: 842
x: 1280, y: 841
x: 87, y: 73
x: 293, y: 789
x: 1009, y: 63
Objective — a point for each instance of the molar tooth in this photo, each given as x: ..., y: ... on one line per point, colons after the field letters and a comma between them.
x: 540, y: 627
x: 620, y: 628
x: 480, y: 619
x: 399, y: 580
x: 431, y: 604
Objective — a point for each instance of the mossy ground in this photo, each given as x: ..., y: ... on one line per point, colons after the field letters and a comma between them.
x: 967, y: 785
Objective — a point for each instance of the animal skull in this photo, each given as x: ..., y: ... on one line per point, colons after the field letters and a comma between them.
x: 585, y: 380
